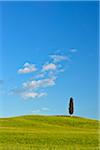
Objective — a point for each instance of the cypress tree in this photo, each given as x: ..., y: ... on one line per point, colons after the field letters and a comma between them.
x: 71, y: 106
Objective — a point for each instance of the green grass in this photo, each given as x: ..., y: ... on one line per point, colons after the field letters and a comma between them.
x: 48, y: 133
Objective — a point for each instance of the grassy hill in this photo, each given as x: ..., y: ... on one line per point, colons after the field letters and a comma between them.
x: 35, y: 132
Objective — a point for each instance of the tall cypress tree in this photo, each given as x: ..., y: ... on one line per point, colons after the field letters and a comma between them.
x: 71, y: 106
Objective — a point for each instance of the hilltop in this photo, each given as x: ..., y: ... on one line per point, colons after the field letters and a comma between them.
x: 34, y: 132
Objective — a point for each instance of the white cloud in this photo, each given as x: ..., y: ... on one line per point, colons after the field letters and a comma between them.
x: 40, y: 110
x: 45, y: 109
x: 27, y: 93
x: 42, y: 94
x: 39, y: 83
x: 27, y: 68
x: 36, y: 111
x: 59, y: 58
x: 73, y: 50
x: 40, y: 75
x: 32, y: 95
x: 49, y: 66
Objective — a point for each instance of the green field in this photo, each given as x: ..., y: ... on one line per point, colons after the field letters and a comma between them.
x: 35, y: 132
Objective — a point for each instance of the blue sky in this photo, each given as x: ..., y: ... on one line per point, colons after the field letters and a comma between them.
x: 49, y: 52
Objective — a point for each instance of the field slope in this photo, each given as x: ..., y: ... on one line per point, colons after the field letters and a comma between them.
x: 35, y: 132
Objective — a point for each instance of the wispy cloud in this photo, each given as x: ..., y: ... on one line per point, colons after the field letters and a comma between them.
x: 58, y: 58
x: 31, y: 95
x: 27, y: 68
x: 49, y: 66
x: 40, y: 75
x: 36, y: 111
x: 27, y: 93
x: 44, y: 109
x: 39, y: 83
x: 73, y: 50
